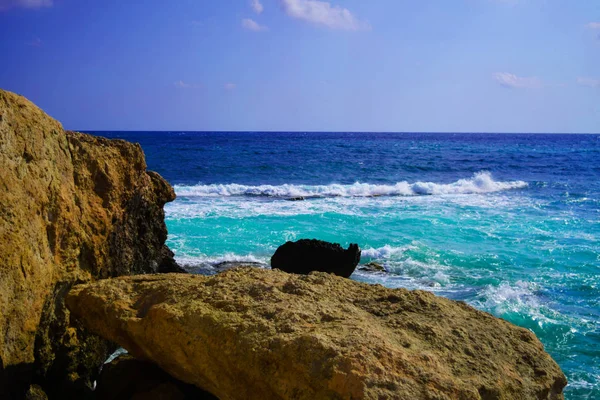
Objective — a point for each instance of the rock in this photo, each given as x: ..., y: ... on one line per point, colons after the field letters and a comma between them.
x: 126, y: 378
x: 225, y: 265
x: 73, y: 208
x: 207, y: 268
x: 305, y: 256
x: 372, y: 267
x: 35, y: 393
x: 253, y: 333
x: 168, y: 263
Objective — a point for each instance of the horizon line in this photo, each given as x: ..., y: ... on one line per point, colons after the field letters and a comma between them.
x: 303, y: 131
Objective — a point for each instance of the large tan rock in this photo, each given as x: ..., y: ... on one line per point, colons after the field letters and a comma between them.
x: 73, y: 208
x: 250, y: 333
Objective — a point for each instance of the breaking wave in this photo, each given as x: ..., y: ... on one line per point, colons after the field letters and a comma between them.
x: 481, y: 182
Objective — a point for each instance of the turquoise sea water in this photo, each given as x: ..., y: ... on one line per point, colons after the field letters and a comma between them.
x: 507, y: 223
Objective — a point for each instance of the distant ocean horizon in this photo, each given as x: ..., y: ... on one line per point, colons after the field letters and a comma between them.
x: 134, y: 131
x: 508, y: 222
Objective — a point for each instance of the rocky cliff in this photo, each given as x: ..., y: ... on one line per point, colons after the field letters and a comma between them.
x: 73, y: 208
x: 250, y: 333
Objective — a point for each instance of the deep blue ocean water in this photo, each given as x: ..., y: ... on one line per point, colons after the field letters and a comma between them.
x: 509, y: 223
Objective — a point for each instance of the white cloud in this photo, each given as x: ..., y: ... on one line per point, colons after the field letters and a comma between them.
x: 252, y: 25
x: 589, y: 82
x: 230, y: 86
x: 593, y: 25
x: 31, y: 4
x: 323, y: 13
x: 516, y: 82
x: 256, y: 6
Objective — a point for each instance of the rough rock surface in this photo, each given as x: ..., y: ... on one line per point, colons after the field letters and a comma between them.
x: 308, y: 255
x: 73, y: 208
x: 126, y: 378
x: 252, y: 333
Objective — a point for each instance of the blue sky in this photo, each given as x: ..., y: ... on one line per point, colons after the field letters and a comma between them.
x: 308, y: 65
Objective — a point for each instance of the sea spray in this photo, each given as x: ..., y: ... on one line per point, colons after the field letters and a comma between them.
x: 481, y: 182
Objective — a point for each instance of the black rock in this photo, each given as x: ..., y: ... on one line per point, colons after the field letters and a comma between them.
x: 126, y: 378
x: 168, y: 264
x: 308, y: 255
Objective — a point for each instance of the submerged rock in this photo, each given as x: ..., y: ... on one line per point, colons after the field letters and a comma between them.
x: 372, y: 267
x: 308, y: 255
x: 299, y: 198
x: 73, y: 208
x: 225, y: 265
x: 253, y: 333
x: 208, y: 268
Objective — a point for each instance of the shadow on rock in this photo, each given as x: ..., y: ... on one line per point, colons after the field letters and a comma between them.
x: 126, y: 378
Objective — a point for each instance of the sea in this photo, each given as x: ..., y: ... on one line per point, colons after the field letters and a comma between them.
x: 509, y: 223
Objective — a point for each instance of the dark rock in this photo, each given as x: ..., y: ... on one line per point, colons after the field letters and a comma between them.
x: 225, y: 265
x: 35, y: 393
x: 127, y: 378
x: 308, y: 255
x: 167, y: 263
x: 372, y: 267
x: 207, y: 268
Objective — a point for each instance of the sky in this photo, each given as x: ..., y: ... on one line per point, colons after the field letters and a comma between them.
x: 307, y: 65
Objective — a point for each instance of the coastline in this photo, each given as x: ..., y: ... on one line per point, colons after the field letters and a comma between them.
x: 115, y: 226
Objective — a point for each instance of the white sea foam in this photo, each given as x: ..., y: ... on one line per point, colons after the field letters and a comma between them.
x: 238, y: 207
x: 506, y: 294
x: 481, y: 182
x: 517, y: 298
x: 245, y: 207
x: 384, y: 252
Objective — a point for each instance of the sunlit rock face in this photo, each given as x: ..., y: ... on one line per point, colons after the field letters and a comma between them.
x: 252, y: 333
x: 73, y: 208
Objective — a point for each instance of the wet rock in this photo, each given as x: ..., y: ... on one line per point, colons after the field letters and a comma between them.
x: 225, y: 265
x: 208, y: 268
x: 253, y: 333
x: 372, y: 267
x: 299, y: 198
x: 308, y: 255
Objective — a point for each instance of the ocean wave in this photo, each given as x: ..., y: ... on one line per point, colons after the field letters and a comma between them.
x: 480, y: 183
x: 384, y: 252
x: 518, y: 298
x: 360, y: 207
